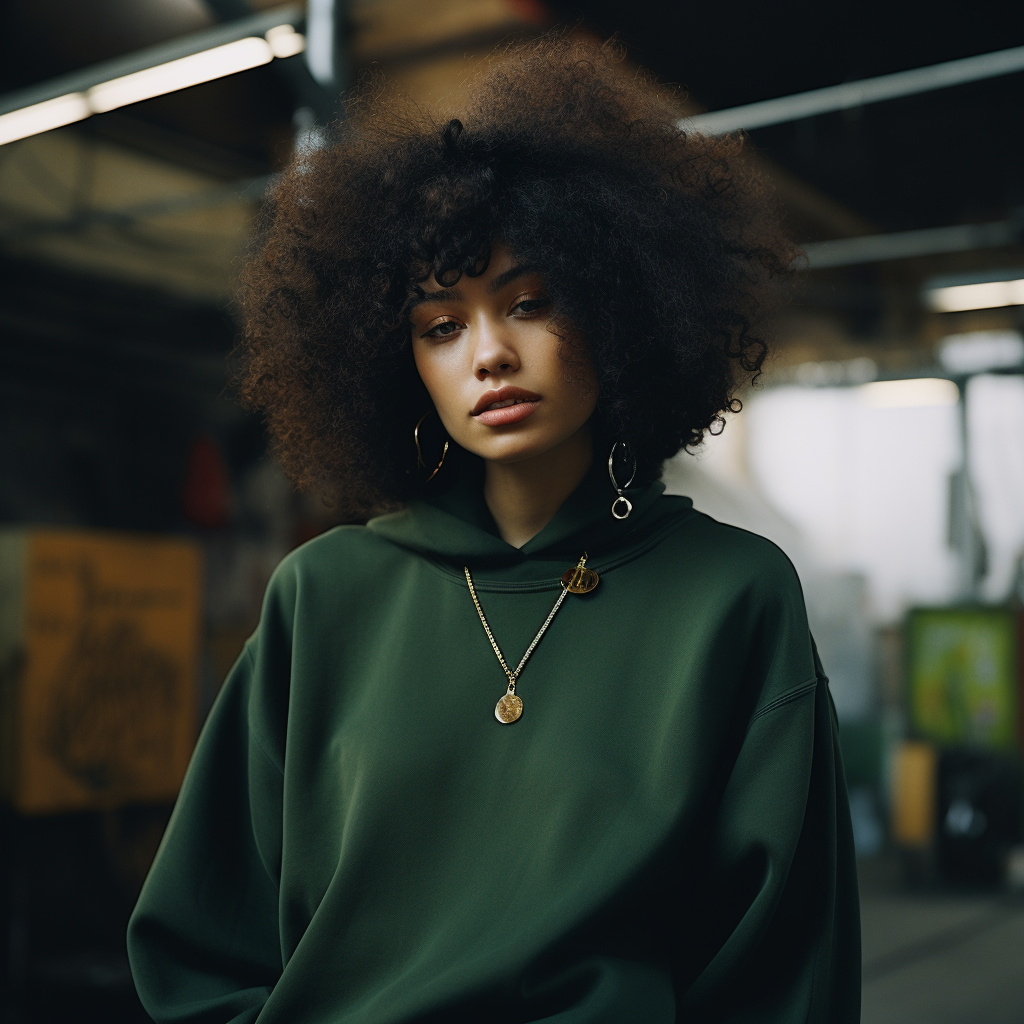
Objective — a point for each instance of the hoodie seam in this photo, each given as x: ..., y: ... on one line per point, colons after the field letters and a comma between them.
x: 787, y: 698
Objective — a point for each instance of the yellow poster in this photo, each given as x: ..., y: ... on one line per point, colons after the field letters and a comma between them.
x: 105, y: 696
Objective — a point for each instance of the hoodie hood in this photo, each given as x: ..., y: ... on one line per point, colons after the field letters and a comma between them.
x: 457, y: 528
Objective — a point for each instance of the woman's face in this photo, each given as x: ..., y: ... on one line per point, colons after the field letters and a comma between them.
x: 492, y: 368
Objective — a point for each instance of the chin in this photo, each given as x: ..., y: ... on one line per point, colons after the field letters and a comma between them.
x: 507, y: 455
x: 509, y: 450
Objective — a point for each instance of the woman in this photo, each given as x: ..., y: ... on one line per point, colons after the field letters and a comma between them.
x: 540, y: 743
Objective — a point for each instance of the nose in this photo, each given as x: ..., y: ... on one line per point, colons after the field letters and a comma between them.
x: 494, y: 354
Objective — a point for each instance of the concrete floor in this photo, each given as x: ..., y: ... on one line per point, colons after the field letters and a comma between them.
x: 939, y: 957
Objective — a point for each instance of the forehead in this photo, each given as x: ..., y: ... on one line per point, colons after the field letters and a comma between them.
x: 502, y: 258
x: 500, y: 261
x: 502, y: 269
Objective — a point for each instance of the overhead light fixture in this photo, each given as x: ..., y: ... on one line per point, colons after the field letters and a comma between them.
x: 285, y: 41
x: 221, y: 61
x: 171, y: 76
x: 950, y: 297
x: 914, y: 391
x: 978, y: 351
x: 42, y: 117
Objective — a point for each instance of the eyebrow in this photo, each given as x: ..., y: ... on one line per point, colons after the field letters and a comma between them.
x: 444, y: 295
x: 454, y: 295
x: 509, y: 276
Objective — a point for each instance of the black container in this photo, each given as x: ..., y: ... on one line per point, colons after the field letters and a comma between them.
x: 980, y: 814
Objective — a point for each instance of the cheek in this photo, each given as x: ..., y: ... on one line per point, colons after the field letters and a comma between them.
x: 574, y: 377
x: 439, y: 377
x: 427, y: 366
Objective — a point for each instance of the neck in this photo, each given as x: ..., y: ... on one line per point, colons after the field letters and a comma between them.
x: 524, y: 496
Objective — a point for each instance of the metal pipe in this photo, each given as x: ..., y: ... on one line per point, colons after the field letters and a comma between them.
x: 857, y: 94
x: 902, y: 245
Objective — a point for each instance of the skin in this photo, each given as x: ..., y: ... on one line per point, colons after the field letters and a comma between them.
x: 491, y: 332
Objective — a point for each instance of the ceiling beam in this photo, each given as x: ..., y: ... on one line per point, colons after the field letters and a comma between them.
x: 902, y: 245
x: 857, y: 94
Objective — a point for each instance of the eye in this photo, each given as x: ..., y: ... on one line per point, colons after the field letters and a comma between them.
x: 529, y: 305
x: 442, y: 329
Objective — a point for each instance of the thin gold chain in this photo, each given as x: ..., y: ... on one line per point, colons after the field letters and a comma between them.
x: 513, y: 676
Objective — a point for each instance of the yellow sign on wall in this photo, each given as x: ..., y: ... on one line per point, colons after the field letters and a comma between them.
x: 99, y: 651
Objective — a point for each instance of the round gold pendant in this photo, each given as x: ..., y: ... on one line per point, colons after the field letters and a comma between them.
x: 508, y: 709
x: 579, y: 580
x: 621, y: 507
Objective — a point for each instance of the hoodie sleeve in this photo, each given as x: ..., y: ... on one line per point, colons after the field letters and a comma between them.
x: 203, y: 941
x: 780, y: 941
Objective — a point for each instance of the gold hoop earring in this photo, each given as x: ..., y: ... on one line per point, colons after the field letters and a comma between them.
x: 419, y: 451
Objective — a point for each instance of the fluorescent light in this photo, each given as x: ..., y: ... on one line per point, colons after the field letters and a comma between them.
x: 285, y: 41
x: 986, y: 295
x: 41, y: 117
x: 229, y: 59
x: 176, y: 64
x: 978, y: 351
x: 217, y: 62
x: 916, y: 391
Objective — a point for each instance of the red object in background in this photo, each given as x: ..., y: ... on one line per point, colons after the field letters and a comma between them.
x: 206, y: 498
x: 533, y: 12
x: 307, y: 530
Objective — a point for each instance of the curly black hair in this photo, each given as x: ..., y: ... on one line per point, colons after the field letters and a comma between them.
x: 656, y: 245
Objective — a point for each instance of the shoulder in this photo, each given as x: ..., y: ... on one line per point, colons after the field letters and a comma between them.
x: 342, y: 546
x: 344, y: 554
x: 749, y: 598
x: 729, y: 583
x: 716, y: 550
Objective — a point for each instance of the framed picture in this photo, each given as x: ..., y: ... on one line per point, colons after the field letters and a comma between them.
x: 963, y: 676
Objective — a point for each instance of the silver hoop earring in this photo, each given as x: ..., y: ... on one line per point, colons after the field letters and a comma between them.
x: 621, y: 506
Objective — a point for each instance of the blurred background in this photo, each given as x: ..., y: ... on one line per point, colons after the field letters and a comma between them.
x: 140, y: 515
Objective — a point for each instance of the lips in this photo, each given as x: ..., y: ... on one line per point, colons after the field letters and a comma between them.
x: 506, y: 405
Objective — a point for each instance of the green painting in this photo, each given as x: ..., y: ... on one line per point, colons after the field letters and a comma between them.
x: 963, y: 675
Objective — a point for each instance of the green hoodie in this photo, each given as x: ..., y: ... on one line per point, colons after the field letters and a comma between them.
x: 663, y: 836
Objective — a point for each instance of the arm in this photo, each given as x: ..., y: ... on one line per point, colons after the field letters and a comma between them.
x: 203, y: 940
x: 782, y: 942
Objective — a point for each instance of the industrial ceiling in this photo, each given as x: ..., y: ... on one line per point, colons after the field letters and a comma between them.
x: 121, y: 234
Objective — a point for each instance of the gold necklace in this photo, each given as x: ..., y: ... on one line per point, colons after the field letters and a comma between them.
x: 578, y: 580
